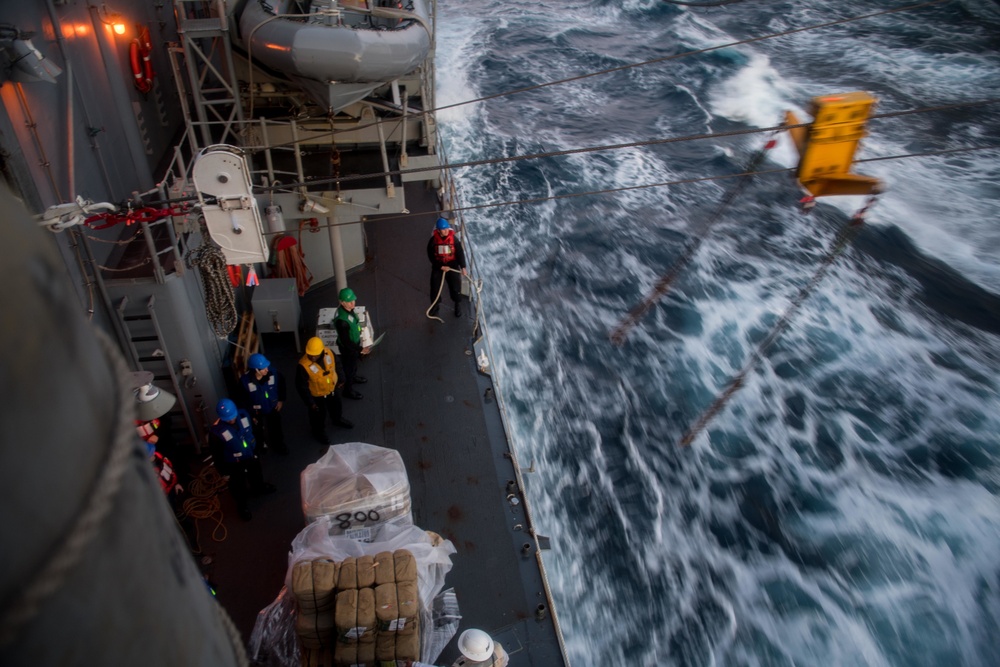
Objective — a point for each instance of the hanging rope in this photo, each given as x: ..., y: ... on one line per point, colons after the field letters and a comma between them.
x: 634, y: 316
x: 844, y: 237
x: 220, y: 300
x: 476, y: 285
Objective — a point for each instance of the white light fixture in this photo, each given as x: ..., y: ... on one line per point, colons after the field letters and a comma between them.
x: 151, y: 401
x: 313, y: 206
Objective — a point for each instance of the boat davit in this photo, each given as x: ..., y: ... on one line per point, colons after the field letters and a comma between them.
x: 338, y: 51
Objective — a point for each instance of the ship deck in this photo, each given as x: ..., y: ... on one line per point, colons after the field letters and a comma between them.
x: 424, y: 398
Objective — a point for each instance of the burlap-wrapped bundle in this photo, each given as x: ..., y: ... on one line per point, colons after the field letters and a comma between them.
x: 348, y: 579
x: 404, y: 565
x: 385, y: 569
x: 315, y: 630
x: 366, y: 572
x: 409, y: 607
x: 386, y: 607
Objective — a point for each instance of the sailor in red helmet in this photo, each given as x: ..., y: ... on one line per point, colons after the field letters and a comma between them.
x: 445, y: 251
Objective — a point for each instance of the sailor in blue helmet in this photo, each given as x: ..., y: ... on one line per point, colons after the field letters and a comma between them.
x: 348, y: 327
x: 264, y: 391
x: 233, y: 446
x: 445, y: 251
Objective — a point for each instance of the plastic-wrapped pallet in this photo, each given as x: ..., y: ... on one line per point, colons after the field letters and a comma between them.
x: 359, y: 486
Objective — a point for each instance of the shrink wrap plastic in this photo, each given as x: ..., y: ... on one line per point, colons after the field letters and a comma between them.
x: 274, y: 640
x: 360, y: 485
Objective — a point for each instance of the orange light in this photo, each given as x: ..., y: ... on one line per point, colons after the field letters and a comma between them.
x: 118, y: 27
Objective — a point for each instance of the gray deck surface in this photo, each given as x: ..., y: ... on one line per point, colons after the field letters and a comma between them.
x: 425, y: 399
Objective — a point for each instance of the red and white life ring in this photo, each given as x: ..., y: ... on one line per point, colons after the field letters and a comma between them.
x: 139, y: 52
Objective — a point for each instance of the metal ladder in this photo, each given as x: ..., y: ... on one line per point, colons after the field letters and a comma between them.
x: 148, y: 352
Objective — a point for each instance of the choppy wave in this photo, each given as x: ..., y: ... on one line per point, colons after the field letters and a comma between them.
x: 842, y: 509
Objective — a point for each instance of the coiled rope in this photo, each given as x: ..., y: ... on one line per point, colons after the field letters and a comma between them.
x: 204, y: 502
x: 220, y: 300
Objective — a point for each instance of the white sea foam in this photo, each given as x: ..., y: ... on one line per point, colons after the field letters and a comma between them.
x: 825, y: 516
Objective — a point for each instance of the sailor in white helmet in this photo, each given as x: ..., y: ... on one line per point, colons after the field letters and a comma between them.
x: 479, y: 650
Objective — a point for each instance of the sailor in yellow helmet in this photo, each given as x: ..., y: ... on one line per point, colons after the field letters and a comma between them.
x: 317, y: 383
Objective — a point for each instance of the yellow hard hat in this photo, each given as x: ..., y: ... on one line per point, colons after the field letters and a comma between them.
x: 314, y: 346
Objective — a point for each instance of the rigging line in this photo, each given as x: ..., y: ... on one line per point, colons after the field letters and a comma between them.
x: 654, y: 61
x: 611, y: 147
x: 844, y: 237
x: 627, y: 188
x: 635, y: 315
x: 572, y: 151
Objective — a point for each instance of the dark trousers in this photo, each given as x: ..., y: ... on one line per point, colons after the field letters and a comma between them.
x: 268, y: 429
x: 245, y: 477
x: 317, y: 418
x: 453, y: 278
x: 350, y: 363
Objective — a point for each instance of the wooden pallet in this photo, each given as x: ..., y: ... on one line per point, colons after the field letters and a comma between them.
x: 247, y: 343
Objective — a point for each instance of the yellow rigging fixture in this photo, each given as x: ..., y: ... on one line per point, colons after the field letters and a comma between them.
x: 828, y: 144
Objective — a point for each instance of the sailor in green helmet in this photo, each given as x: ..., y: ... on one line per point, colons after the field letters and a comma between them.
x: 348, y: 327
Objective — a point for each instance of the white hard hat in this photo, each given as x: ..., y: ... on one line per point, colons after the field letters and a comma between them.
x: 475, y: 645
x: 152, y: 401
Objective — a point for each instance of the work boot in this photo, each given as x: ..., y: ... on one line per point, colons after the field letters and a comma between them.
x: 359, y: 380
x: 245, y: 513
x: 353, y: 395
x: 346, y: 423
x: 434, y: 310
x: 321, y: 438
x: 458, y: 309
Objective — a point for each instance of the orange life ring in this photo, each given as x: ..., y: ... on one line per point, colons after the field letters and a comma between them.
x: 139, y: 52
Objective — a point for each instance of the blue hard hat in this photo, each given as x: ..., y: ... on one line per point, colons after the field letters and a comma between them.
x: 258, y: 361
x: 226, y: 410
x: 150, y: 449
x: 443, y: 224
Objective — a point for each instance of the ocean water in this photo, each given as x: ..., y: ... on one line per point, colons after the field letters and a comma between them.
x: 842, y: 509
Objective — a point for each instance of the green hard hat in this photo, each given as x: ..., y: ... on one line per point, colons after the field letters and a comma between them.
x: 347, y: 294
